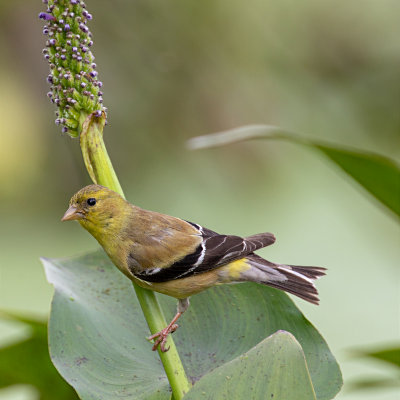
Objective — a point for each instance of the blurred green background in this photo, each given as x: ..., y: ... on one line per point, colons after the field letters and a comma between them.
x: 176, y: 69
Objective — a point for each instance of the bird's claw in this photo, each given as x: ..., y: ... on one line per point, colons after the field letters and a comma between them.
x: 160, y: 338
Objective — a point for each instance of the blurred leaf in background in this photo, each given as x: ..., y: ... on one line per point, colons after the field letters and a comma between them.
x: 28, y: 362
x: 377, y: 174
x: 390, y: 377
x: 390, y: 355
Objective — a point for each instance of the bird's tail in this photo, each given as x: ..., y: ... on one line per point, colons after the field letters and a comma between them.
x: 294, y: 279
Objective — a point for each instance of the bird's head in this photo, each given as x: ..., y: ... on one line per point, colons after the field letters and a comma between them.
x: 96, y: 208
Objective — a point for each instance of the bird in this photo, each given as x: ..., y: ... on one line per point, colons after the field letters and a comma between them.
x: 179, y: 258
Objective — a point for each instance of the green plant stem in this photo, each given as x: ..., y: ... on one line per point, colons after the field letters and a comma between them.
x: 102, y: 172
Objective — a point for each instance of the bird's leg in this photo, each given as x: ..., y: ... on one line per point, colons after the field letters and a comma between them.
x: 160, y: 338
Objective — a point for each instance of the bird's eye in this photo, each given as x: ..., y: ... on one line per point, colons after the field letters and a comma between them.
x: 91, y: 201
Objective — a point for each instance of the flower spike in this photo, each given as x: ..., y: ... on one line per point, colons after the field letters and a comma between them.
x: 75, y: 88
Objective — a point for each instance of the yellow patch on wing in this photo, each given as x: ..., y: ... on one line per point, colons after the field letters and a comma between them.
x: 236, y: 267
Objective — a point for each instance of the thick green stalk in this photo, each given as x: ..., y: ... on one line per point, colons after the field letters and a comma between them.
x: 101, y: 172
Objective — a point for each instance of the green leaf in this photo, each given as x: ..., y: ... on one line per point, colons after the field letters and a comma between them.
x: 391, y: 356
x: 274, y: 369
x: 377, y: 174
x: 97, y: 332
x: 373, y: 383
x: 225, y: 322
x: 37, y: 326
x: 28, y: 362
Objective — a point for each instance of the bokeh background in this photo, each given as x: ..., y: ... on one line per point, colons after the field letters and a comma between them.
x: 176, y: 69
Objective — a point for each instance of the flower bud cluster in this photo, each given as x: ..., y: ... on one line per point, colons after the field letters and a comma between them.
x: 75, y: 88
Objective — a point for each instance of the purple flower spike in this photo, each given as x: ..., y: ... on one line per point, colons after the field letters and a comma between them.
x: 75, y: 88
x: 47, y: 17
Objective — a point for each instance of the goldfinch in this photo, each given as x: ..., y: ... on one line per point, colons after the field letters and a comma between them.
x: 180, y: 258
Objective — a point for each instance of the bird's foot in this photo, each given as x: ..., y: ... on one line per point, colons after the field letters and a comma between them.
x: 160, y: 338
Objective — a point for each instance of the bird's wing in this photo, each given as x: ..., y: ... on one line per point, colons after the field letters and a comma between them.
x: 213, y: 251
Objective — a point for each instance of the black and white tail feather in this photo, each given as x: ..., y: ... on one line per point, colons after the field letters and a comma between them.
x: 217, y: 250
x: 294, y: 279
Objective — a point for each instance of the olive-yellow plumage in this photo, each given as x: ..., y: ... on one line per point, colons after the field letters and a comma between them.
x: 179, y: 258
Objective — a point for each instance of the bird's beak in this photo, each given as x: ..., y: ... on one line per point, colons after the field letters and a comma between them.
x: 71, y: 214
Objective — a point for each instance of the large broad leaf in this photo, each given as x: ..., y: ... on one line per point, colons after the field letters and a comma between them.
x: 97, y: 332
x: 274, y: 369
x: 225, y: 322
x: 28, y: 362
x: 379, y: 175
